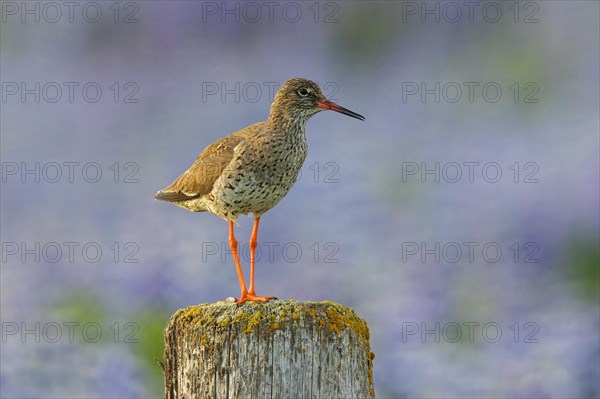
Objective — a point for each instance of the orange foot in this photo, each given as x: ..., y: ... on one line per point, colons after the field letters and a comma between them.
x: 252, y: 297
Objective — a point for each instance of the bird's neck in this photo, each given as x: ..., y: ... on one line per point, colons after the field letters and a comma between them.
x: 289, y: 125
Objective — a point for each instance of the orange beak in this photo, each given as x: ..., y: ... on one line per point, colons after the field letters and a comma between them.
x: 330, y: 105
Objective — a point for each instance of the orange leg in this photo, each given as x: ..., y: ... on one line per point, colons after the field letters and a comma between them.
x: 253, y: 244
x: 251, y: 294
x: 233, y: 244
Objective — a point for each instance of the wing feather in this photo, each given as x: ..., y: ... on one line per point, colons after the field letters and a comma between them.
x: 200, y: 178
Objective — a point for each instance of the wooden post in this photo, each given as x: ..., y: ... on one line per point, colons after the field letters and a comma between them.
x: 279, y: 349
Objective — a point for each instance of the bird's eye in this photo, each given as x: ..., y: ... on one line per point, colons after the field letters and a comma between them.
x: 303, y: 92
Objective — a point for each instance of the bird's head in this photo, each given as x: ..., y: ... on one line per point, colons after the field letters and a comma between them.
x: 299, y: 99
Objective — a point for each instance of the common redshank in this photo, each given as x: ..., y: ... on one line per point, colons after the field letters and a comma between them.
x: 251, y: 170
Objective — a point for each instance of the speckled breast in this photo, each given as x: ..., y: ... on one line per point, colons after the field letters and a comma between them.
x: 257, y: 180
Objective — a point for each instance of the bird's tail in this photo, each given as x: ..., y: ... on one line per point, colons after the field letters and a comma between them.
x: 173, y: 196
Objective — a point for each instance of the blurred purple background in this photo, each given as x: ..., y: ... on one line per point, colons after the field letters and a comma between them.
x: 358, y: 228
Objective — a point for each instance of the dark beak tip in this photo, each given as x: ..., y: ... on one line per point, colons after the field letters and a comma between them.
x: 353, y: 114
x: 330, y: 105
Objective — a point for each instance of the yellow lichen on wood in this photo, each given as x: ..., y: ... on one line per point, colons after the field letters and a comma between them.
x: 283, y: 331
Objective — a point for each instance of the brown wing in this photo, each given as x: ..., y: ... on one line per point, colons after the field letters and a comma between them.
x: 199, y: 179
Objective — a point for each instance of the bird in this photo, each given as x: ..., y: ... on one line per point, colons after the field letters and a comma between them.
x: 249, y: 171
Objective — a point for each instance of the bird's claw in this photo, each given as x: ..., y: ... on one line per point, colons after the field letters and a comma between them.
x: 248, y: 297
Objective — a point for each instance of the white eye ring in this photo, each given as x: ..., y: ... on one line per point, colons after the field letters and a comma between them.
x: 303, y: 92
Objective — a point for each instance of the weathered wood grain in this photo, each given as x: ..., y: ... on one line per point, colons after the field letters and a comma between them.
x: 279, y: 349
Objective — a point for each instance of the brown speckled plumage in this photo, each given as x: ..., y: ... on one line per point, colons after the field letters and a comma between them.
x: 251, y: 170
